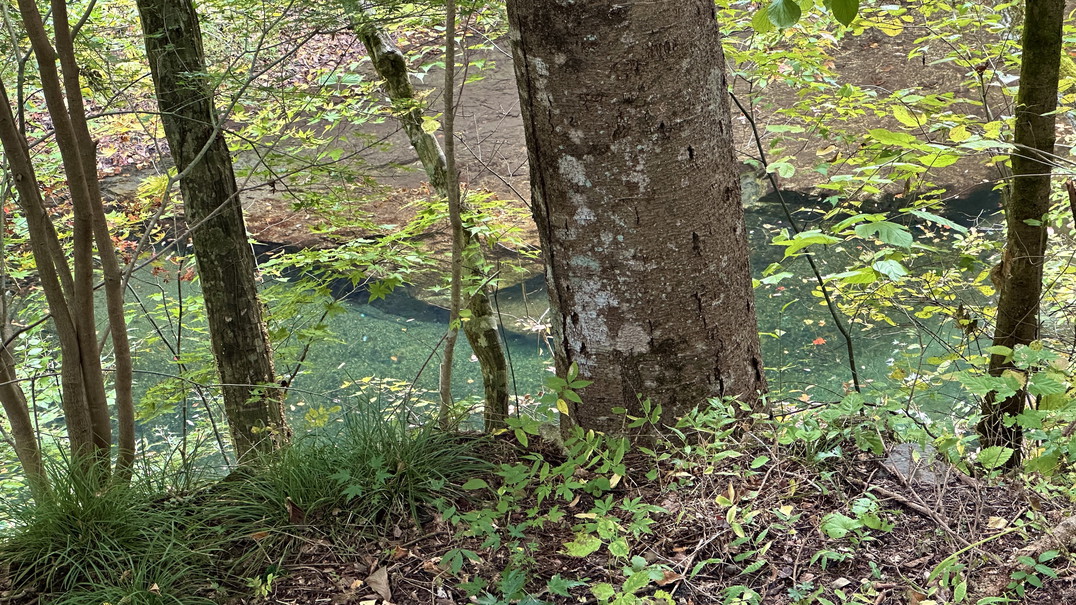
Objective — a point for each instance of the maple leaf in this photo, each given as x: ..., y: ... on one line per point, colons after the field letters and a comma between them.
x: 819, y: 341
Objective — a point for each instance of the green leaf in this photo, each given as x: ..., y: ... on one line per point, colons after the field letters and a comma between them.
x: 888, y: 137
x: 994, y: 456
x: 960, y: 592
x: 1043, y: 384
x: 890, y: 233
x: 1000, y: 350
x: 863, y: 275
x: 603, y: 591
x: 583, y: 545
x: 837, y: 525
x: 983, y: 385
x: 560, y: 586
x: 938, y: 160
x: 806, y: 238
x: 473, y: 484
x: 430, y: 125
x: 905, y: 116
x: 761, y: 21
x: 783, y: 169
x: 635, y: 582
x: 938, y: 220
x: 844, y: 11
x: 890, y: 268
x: 959, y: 134
x: 784, y: 13
x: 619, y: 548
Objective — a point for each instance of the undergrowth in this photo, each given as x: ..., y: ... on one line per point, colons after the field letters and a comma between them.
x: 150, y: 543
x: 728, y: 506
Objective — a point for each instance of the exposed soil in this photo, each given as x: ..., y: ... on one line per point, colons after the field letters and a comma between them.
x: 492, y: 153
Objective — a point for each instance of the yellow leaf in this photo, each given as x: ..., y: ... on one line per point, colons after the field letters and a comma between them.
x: 959, y: 134
x: 562, y: 406
x: 1020, y: 377
x: 905, y: 117
x: 429, y: 125
x: 996, y: 523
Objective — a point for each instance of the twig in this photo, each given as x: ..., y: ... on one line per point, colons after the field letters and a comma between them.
x: 837, y: 319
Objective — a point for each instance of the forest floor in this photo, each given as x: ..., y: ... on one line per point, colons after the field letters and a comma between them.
x: 789, y: 531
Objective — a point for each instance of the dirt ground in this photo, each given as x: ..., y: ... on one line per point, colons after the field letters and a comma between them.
x: 491, y: 148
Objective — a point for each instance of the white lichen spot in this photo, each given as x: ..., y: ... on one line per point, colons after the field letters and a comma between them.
x: 572, y: 170
x: 639, y: 177
x: 584, y: 262
x: 716, y: 83
x: 584, y: 215
x: 632, y: 339
x: 540, y: 67
x: 560, y: 59
x: 576, y: 136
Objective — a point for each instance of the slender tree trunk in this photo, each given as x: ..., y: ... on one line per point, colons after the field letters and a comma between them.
x: 90, y: 388
x: 253, y: 401
x: 637, y: 200
x: 454, y: 215
x: 17, y: 412
x: 481, y: 327
x: 1018, y: 277
x: 87, y: 155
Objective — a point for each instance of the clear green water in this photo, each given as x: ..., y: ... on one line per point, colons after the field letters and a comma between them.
x: 394, y: 337
x: 375, y: 349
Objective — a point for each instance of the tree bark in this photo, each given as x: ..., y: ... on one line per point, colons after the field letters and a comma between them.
x: 1018, y: 277
x: 253, y: 401
x: 84, y: 384
x: 481, y: 327
x: 637, y: 200
x: 110, y: 267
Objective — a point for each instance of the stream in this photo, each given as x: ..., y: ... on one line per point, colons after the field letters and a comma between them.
x: 381, y: 346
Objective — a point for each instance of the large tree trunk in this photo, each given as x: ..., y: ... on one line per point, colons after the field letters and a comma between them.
x: 1018, y: 277
x: 226, y: 264
x: 481, y: 328
x: 636, y: 196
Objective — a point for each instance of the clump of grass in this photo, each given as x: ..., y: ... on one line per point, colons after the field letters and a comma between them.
x: 176, y: 540
x: 80, y: 537
x: 372, y: 466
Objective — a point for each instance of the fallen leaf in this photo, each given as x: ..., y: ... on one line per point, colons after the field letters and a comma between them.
x: 997, y: 523
x: 379, y: 581
x: 399, y: 553
x: 259, y: 535
x: 296, y: 515
x: 818, y: 341
x: 668, y: 576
